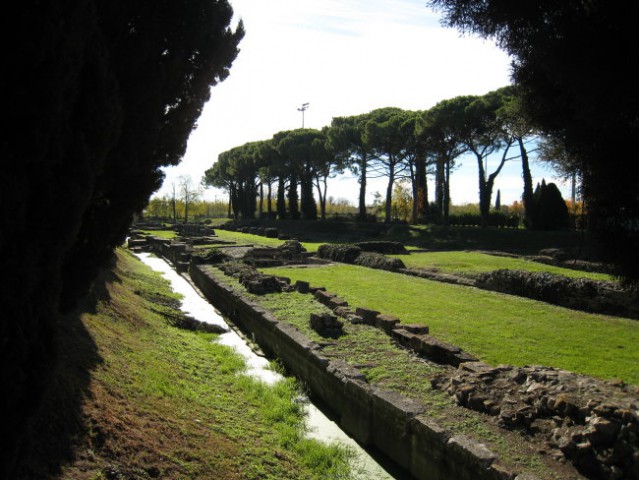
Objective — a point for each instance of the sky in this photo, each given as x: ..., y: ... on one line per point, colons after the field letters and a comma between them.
x: 344, y: 57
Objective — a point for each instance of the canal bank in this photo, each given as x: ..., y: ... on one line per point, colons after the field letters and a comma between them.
x: 320, y: 427
x: 384, y: 421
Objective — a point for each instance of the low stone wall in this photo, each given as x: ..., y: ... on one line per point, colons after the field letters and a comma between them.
x: 413, y: 337
x: 394, y: 425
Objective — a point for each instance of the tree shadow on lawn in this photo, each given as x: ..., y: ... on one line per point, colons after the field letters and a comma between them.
x: 60, y: 424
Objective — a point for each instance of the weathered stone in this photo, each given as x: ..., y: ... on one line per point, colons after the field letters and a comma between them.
x: 369, y: 316
x: 323, y: 296
x: 335, y: 302
x: 605, y: 431
x: 476, y: 452
x: 343, y: 312
x: 386, y: 322
x: 355, y: 319
x: 302, y: 286
x: 403, y: 337
x: 326, y: 324
x: 413, y: 328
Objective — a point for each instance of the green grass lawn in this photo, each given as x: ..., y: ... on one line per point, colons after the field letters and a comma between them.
x: 495, y: 327
x: 244, y: 238
x: 160, y: 233
x: 469, y: 263
x: 238, y: 237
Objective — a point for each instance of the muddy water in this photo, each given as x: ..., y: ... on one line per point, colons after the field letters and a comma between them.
x: 320, y: 427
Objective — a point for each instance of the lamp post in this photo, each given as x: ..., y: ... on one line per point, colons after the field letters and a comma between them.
x: 302, y: 109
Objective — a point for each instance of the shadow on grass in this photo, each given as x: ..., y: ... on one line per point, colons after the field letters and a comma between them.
x: 60, y: 424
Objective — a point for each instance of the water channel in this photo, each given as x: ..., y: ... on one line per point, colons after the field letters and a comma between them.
x: 319, y: 426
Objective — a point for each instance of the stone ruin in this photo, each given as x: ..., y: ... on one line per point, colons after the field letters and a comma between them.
x: 290, y: 252
x: 254, y: 281
x: 592, y: 423
x: 326, y: 325
x: 194, y: 230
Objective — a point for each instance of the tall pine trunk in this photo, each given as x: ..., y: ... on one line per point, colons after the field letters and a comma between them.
x: 362, y: 188
x: 389, y: 193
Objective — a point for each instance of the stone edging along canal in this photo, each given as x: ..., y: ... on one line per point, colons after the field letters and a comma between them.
x: 387, y: 421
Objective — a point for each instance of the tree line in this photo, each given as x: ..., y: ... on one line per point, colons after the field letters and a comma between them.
x: 390, y: 142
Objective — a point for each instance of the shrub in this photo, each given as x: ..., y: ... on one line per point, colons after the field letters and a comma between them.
x: 385, y: 247
x: 339, y: 252
x: 550, y: 211
x: 379, y: 261
x: 495, y: 219
x: 578, y: 293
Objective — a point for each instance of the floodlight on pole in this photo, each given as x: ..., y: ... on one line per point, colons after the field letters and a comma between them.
x: 302, y: 109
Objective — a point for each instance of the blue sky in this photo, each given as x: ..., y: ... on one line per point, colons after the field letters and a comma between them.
x: 343, y: 57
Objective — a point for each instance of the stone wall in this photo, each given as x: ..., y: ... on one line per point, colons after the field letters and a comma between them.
x: 392, y: 424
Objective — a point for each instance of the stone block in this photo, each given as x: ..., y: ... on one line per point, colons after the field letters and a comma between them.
x: 326, y: 324
x: 392, y: 417
x: 336, y: 302
x: 323, y: 296
x: 355, y: 319
x: 386, y: 322
x: 343, y: 312
x: 302, y: 286
x: 471, y: 451
x: 428, y: 449
x: 356, y: 411
x: 369, y: 316
x: 414, y: 328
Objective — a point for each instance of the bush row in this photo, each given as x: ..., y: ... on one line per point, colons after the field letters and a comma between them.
x: 347, y: 253
x: 379, y: 261
x: 385, y: 247
x: 495, y: 219
x: 576, y: 293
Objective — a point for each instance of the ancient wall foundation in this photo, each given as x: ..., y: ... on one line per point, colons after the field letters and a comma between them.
x: 392, y: 424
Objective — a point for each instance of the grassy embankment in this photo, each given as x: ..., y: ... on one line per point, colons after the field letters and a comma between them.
x: 495, y: 327
x: 137, y: 397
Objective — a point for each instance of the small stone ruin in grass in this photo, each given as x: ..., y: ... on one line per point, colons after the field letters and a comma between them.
x: 593, y: 423
x: 327, y: 325
x: 254, y: 281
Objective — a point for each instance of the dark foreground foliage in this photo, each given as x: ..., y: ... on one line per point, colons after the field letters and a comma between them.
x: 99, y: 96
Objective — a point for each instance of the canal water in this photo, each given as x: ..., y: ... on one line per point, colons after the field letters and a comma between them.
x: 319, y: 426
